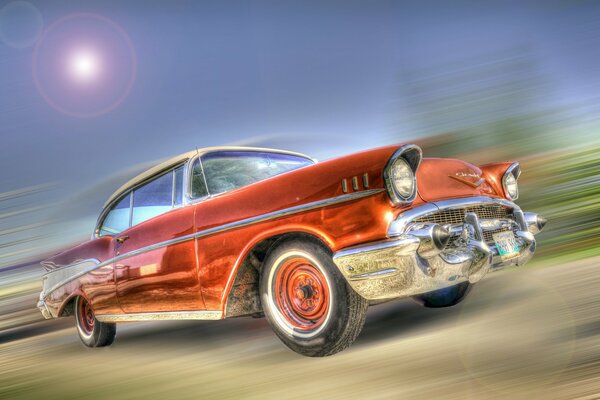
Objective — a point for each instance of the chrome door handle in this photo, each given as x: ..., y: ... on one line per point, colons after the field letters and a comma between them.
x: 122, y: 239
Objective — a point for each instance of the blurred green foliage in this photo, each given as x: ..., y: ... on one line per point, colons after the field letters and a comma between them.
x: 565, y: 186
x: 559, y: 181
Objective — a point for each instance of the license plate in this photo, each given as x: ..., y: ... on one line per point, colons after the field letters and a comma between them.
x: 506, y: 244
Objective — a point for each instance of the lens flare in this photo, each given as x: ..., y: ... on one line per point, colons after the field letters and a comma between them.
x: 84, y: 66
x: 21, y: 24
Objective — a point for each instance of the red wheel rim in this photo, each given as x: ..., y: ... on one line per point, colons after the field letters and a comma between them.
x: 85, y: 316
x: 302, y: 293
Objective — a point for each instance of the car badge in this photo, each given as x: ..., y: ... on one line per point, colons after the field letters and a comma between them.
x: 462, y: 177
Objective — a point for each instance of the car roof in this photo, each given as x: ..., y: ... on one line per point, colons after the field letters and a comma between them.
x: 182, y: 158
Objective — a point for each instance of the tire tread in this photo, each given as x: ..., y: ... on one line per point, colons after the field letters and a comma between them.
x: 356, y: 306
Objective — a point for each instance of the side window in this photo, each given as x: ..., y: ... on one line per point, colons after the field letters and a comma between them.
x: 117, y: 219
x: 198, y: 183
x: 152, y: 199
x: 178, y: 188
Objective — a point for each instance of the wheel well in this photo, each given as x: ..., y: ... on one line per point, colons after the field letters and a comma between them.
x: 69, y: 308
x: 244, y: 297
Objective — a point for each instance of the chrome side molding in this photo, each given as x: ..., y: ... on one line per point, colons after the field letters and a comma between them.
x: 162, y: 316
x: 65, y: 274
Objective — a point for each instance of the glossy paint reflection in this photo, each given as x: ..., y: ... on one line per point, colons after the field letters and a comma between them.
x: 153, y: 271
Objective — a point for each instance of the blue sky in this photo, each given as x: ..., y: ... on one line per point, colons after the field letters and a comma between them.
x: 310, y: 74
x: 321, y: 77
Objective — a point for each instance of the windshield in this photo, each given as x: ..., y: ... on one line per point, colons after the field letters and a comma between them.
x: 230, y: 170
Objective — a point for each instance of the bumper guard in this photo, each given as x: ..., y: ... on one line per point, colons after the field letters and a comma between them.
x: 399, y: 266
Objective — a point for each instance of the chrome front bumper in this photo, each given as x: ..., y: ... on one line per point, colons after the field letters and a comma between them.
x: 404, y: 264
x: 41, y: 304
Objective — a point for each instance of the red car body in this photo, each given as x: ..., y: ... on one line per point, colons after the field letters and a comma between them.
x: 198, y: 261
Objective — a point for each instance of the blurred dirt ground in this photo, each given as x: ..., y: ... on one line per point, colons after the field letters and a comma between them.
x: 532, y: 333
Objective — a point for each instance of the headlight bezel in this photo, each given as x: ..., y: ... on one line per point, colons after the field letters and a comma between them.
x: 412, y: 155
x: 513, y: 171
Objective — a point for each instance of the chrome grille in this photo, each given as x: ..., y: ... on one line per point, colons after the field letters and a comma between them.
x: 457, y: 215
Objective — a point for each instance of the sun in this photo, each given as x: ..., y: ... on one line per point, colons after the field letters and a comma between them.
x: 84, y: 65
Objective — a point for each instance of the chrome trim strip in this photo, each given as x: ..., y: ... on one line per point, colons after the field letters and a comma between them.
x: 515, y: 169
x: 58, y: 277
x: 57, y: 267
x: 287, y: 211
x: 131, y: 199
x: 384, y: 273
x: 162, y: 316
x: 222, y: 228
x: 476, y: 200
x: 404, y: 245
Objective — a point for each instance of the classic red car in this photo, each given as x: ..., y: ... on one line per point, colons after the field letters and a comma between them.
x: 232, y: 231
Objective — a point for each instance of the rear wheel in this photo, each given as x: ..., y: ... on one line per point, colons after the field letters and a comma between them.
x: 307, y: 301
x: 445, y: 297
x: 92, y: 332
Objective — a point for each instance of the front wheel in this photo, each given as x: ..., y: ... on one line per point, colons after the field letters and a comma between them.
x: 92, y: 332
x: 445, y: 297
x: 308, y: 302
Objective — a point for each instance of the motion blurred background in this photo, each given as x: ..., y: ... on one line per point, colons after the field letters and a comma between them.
x: 93, y: 92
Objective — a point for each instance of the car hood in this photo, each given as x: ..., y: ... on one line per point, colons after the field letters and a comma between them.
x: 442, y: 178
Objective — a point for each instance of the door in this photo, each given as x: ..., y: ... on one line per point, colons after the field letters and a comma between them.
x: 155, y: 270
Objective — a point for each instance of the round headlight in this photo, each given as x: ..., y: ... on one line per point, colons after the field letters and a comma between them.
x: 402, y: 178
x: 511, y: 187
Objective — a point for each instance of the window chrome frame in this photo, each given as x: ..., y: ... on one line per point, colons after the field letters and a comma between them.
x: 188, y: 192
x: 108, y: 209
